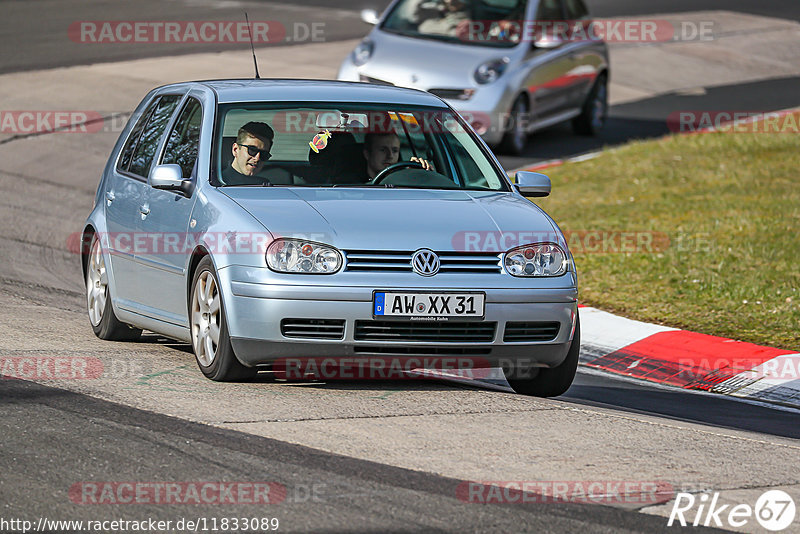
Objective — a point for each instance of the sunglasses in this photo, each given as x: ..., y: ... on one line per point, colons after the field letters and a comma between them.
x: 253, y: 150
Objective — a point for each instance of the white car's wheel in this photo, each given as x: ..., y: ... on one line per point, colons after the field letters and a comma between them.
x: 98, y: 299
x: 210, y: 340
x: 515, y: 140
x: 595, y: 110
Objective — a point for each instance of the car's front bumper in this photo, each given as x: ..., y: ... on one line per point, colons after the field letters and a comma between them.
x: 254, y: 311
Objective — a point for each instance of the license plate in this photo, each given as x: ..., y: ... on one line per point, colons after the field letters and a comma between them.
x: 428, y: 306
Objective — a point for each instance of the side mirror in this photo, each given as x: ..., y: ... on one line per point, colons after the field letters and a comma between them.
x: 170, y: 178
x: 533, y: 184
x: 370, y: 16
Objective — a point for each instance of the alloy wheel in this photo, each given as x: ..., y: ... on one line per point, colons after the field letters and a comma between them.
x: 96, y: 284
x: 206, y: 318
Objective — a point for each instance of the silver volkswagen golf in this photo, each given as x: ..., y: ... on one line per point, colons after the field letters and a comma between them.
x: 511, y: 67
x: 276, y: 221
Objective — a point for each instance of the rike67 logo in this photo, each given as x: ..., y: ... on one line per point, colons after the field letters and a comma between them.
x: 774, y: 510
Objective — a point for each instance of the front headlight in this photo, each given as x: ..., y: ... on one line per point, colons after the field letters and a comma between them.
x: 305, y: 257
x: 363, y: 52
x: 538, y: 259
x: 491, y: 70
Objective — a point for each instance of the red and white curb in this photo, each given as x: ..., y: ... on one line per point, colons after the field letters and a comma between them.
x: 688, y: 360
x: 536, y: 167
x: 678, y: 357
x: 670, y: 357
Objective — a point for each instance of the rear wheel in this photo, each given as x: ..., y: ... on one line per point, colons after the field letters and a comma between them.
x: 516, y: 137
x: 595, y: 110
x: 210, y: 340
x: 549, y: 382
x: 98, y: 300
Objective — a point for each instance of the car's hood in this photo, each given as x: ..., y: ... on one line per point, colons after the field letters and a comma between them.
x: 396, y: 219
x: 426, y: 63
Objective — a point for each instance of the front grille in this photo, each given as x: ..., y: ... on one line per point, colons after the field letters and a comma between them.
x: 531, y: 331
x: 313, y: 328
x: 378, y: 81
x: 433, y: 332
x: 400, y: 261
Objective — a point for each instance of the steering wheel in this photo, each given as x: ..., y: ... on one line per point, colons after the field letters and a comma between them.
x: 381, y: 176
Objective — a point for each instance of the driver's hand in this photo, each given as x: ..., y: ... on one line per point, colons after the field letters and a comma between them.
x: 424, y: 162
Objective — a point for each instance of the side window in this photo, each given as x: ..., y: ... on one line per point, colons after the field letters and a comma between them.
x: 148, y: 142
x: 133, y: 137
x: 184, y: 138
x: 576, y: 10
x: 550, y: 10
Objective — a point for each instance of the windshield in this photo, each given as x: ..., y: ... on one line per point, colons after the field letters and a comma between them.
x: 477, y: 22
x: 353, y: 145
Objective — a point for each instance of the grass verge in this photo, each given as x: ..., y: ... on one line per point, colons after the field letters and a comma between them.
x: 714, y: 222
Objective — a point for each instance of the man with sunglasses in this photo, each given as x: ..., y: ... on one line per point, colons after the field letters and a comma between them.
x: 250, y: 150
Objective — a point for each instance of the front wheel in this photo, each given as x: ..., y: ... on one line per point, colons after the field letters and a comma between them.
x: 210, y: 340
x: 549, y: 382
x: 98, y: 300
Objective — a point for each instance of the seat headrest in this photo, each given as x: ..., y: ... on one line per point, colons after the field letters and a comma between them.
x: 337, y: 145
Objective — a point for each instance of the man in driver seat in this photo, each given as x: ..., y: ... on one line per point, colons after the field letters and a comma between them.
x: 250, y: 151
x: 382, y: 150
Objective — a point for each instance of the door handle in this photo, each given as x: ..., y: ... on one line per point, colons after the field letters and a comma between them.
x: 144, y: 209
x: 110, y: 196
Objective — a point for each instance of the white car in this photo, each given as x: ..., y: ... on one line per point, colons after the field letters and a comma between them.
x: 511, y: 67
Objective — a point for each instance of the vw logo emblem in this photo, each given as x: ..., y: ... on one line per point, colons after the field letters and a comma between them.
x: 425, y: 262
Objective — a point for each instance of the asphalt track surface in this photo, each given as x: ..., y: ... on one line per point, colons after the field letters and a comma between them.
x: 647, y: 119
x: 324, y: 492
x: 38, y: 29
x: 787, y: 9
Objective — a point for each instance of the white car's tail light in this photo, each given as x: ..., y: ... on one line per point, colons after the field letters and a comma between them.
x: 538, y: 259
x: 303, y: 257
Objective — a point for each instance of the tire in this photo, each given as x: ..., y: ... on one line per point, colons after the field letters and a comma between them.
x: 515, y: 140
x: 595, y: 110
x: 551, y: 382
x: 98, y: 300
x: 209, y: 328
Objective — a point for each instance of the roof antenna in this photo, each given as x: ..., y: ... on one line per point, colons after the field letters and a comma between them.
x: 255, y: 63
